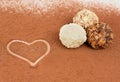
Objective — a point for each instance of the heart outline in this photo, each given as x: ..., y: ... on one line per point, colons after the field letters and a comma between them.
x: 33, y: 64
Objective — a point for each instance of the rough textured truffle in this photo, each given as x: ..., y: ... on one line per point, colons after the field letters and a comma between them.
x: 85, y: 18
x: 72, y: 35
x: 99, y: 35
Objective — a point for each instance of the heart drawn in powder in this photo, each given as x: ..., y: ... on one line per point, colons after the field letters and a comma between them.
x: 33, y: 64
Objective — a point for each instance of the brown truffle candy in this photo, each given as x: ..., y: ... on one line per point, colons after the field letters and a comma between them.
x: 99, y: 35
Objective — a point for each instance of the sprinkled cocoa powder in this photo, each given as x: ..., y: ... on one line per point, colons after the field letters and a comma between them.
x: 61, y: 65
x: 44, y: 6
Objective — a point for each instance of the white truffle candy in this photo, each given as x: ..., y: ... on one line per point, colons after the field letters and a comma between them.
x: 85, y: 18
x: 72, y: 35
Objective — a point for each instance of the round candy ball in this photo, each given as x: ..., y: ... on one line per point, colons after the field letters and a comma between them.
x: 72, y: 35
x: 85, y: 18
x: 99, y: 35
